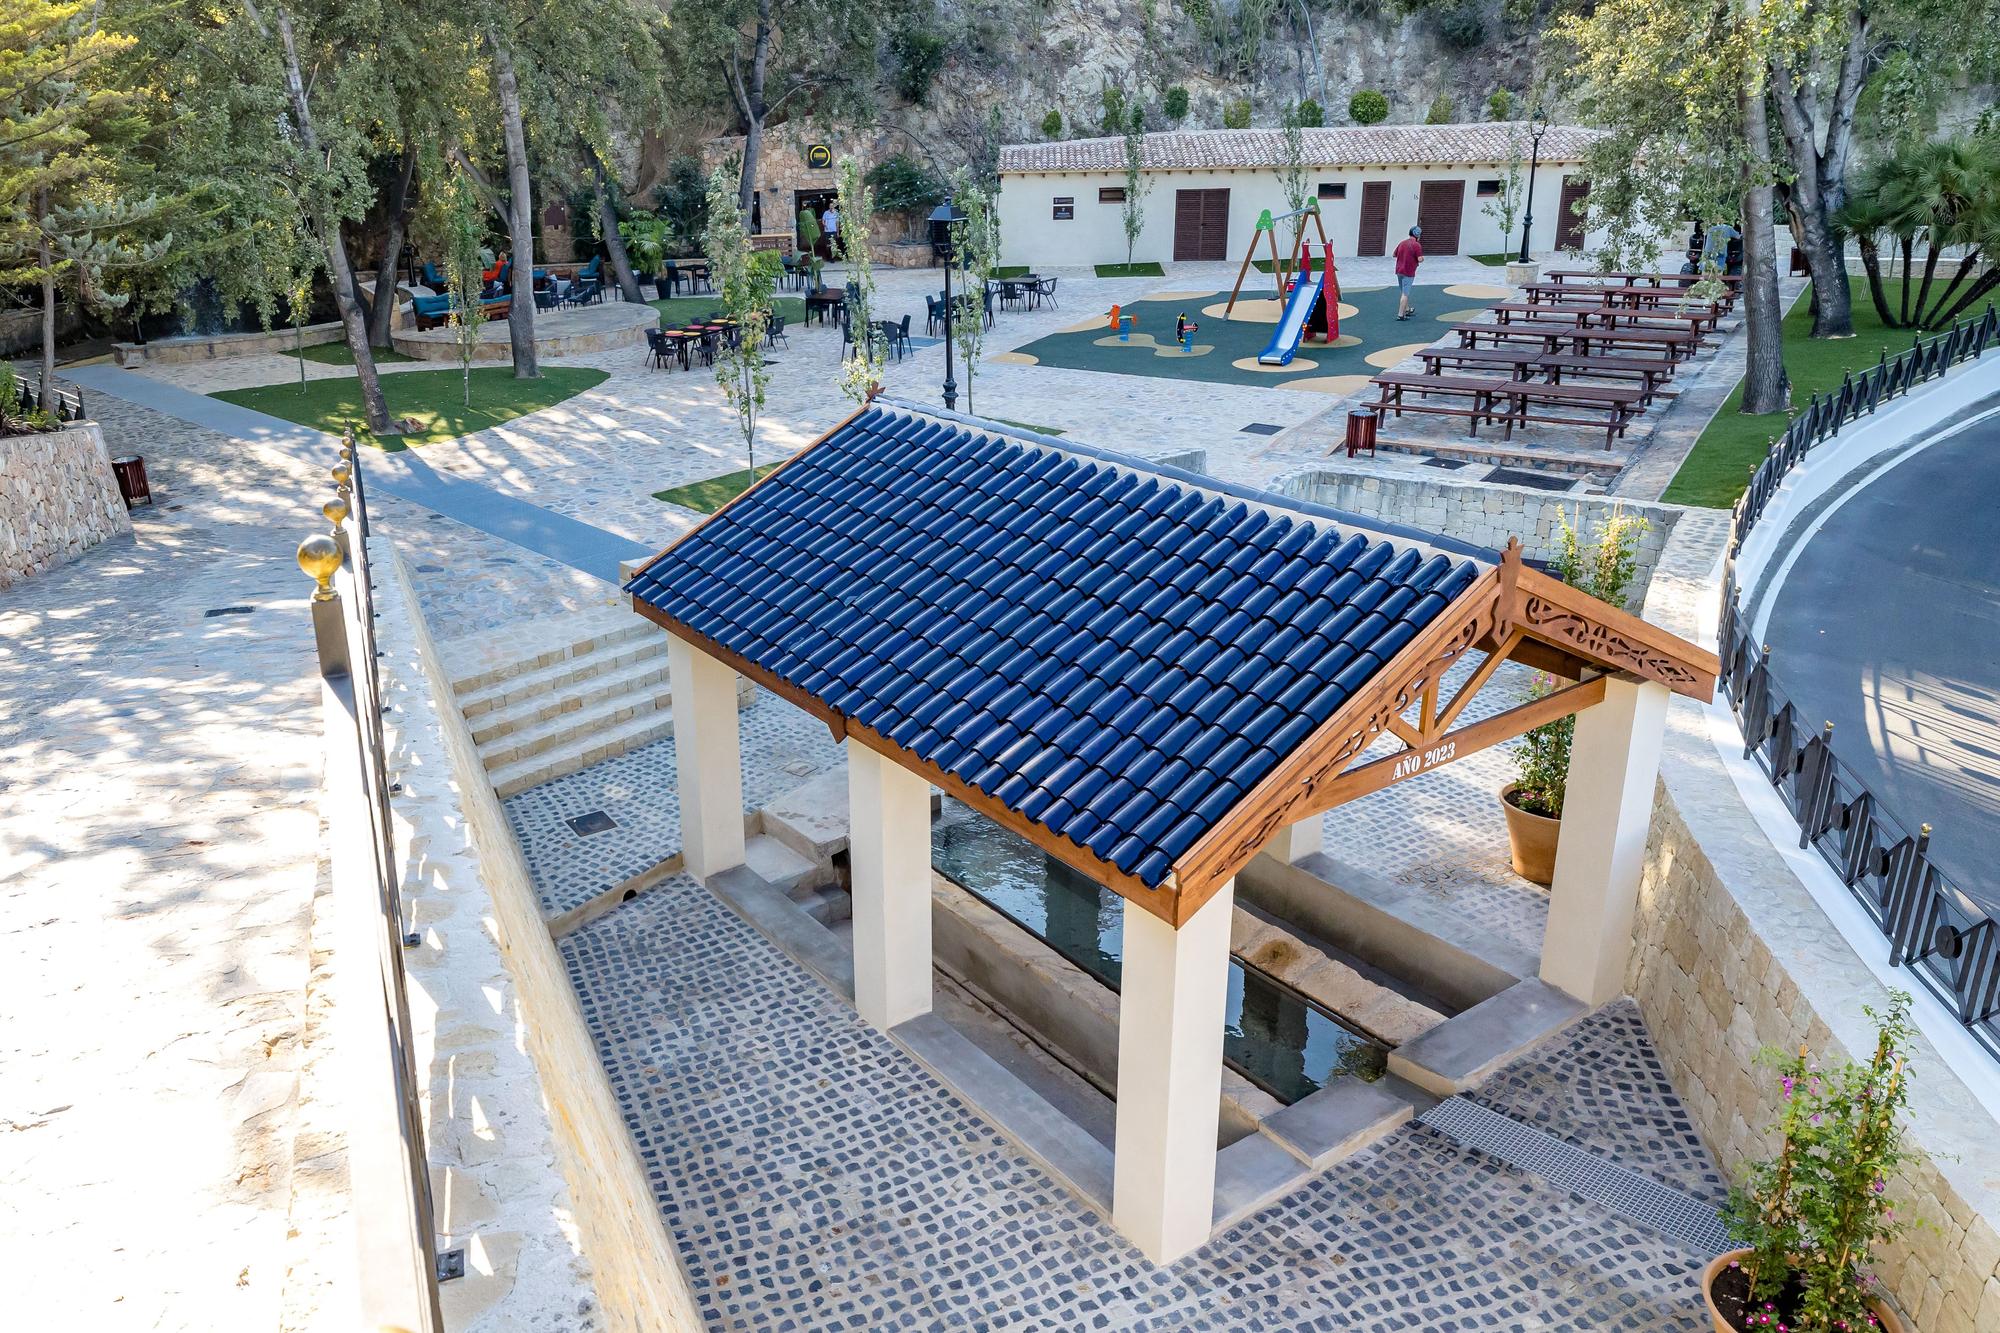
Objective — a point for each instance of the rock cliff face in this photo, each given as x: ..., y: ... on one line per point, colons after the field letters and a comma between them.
x: 1006, y: 64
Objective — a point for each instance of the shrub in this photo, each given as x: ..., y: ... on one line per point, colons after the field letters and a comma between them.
x: 1052, y: 124
x: 1236, y: 115
x: 919, y: 54
x: 1309, y: 114
x: 904, y: 185
x: 1442, y: 110
x: 1368, y: 107
x: 1462, y: 26
x: 1500, y: 105
x: 1176, y: 103
x: 1114, y: 110
x: 683, y: 201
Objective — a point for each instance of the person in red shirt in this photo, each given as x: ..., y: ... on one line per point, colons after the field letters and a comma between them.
x: 1409, y: 253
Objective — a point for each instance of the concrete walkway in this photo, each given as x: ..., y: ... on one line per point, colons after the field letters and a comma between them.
x: 404, y: 475
x: 159, y: 838
x: 1889, y: 627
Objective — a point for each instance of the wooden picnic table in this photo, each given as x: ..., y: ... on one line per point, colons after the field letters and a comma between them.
x: 1524, y: 363
x: 1620, y: 403
x: 1557, y: 293
x: 1628, y: 276
x: 1605, y: 316
x: 1553, y: 337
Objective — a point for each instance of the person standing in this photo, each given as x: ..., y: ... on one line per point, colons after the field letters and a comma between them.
x: 1409, y: 253
x: 829, y: 229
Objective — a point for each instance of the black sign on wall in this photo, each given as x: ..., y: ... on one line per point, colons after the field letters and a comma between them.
x: 1065, y: 207
x: 819, y: 157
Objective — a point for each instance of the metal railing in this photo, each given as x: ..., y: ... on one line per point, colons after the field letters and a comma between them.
x: 388, y: 1167
x: 1944, y: 938
x: 58, y: 397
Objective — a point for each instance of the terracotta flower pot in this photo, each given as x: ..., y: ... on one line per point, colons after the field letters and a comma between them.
x: 1888, y: 1319
x: 1531, y: 839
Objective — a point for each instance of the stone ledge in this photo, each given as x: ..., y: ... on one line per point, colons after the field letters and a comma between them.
x: 1460, y: 1052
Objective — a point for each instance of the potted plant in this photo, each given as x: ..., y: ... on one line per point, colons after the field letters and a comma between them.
x: 646, y: 244
x: 1811, y: 1214
x: 1533, y: 803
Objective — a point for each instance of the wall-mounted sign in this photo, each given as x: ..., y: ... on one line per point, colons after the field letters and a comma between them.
x: 1065, y: 207
x: 819, y: 157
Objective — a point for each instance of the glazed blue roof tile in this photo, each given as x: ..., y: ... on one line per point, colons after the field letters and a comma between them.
x: 1116, y: 655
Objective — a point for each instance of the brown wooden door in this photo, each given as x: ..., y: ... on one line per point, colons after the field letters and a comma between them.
x: 1374, y: 238
x: 1201, y: 224
x: 1440, y: 210
x: 1569, y: 213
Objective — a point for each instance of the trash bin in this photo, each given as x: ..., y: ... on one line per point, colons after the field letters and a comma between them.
x: 1361, y: 431
x: 131, y: 473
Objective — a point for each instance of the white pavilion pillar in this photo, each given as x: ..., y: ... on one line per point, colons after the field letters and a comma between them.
x: 1171, y: 1005
x: 1607, y: 814
x: 889, y: 851
x: 1297, y: 841
x: 708, y: 760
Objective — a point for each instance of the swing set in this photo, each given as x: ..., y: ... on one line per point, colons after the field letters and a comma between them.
x: 1281, y: 269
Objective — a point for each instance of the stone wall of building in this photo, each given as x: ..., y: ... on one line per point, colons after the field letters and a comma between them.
x: 630, y: 1256
x: 1484, y: 514
x: 1732, y: 954
x: 57, y: 500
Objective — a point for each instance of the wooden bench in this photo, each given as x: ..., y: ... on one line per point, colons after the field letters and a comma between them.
x: 1603, y: 316
x: 1673, y: 344
x: 1651, y: 373
x: 1488, y: 397
x: 1732, y: 283
x: 1516, y: 361
x: 1620, y: 402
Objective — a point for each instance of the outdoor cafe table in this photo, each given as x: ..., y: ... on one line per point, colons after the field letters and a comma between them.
x: 824, y: 302
x: 1553, y: 337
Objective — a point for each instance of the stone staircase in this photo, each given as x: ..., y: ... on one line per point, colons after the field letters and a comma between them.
x: 545, y: 702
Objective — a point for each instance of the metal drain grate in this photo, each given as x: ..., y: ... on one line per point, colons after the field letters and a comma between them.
x: 1260, y: 428
x: 596, y: 821
x: 1541, y: 481
x: 1646, y: 1201
x: 215, y: 611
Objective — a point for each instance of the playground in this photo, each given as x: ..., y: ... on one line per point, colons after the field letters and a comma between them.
x: 1290, y: 325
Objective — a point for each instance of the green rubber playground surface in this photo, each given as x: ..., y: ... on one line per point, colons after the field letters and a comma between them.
x: 1225, y: 350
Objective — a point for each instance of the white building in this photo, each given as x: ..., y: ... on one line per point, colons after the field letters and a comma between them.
x: 1060, y: 203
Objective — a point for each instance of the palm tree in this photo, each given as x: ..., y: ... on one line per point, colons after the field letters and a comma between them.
x: 1945, y: 193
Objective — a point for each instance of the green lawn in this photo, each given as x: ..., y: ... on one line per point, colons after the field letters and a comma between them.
x: 433, y: 398
x: 337, y: 354
x: 1012, y: 271
x: 1718, y: 468
x: 678, y: 310
x: 1145, y: 268
x: 1493, y: 261
x: 711, y: 493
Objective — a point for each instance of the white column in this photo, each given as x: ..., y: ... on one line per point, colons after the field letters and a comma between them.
x: 708, y: 762
x: 1295, y: 842
x: 889, y: 851
x: 1607, y: 813
x: 1170, y: 1010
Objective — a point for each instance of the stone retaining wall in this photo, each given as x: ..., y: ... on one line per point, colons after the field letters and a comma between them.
x: 57, y: 500
x: 1732, y: 954
x: 221, y: 346
x: 635, y: 1266
x: 1482, y: 513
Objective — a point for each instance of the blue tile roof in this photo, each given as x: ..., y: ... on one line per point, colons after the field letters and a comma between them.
x: 1114, y: 654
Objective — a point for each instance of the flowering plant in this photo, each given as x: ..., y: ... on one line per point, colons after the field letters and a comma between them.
x: 1812, y: 1214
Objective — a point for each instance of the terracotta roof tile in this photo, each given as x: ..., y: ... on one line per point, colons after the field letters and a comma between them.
x: 1344, y: 146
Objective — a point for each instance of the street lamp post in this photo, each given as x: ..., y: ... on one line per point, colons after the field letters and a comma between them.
x: 942, y: 219
x: 1538, y: 125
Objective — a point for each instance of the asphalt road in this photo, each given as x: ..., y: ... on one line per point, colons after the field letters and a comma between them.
x: 1889, y: 625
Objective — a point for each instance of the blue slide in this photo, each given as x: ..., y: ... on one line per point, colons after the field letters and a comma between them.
x: 1292, y: 325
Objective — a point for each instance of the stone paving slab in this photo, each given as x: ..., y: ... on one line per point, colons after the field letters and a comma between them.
x: 816, y: 1177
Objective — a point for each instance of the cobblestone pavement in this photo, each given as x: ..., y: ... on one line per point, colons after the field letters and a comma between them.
x: 158, y: 841
x: 817, y: 1177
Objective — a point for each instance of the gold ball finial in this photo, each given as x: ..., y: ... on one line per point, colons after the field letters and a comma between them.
x: 340, y: 472
x: 335, y: 511
x: 319, y: 557
x: 1927, y: 830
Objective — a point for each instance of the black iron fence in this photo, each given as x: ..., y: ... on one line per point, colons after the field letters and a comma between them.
x: 58, y: 397
x: 388, y: 1168
x: 1944, y: 938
